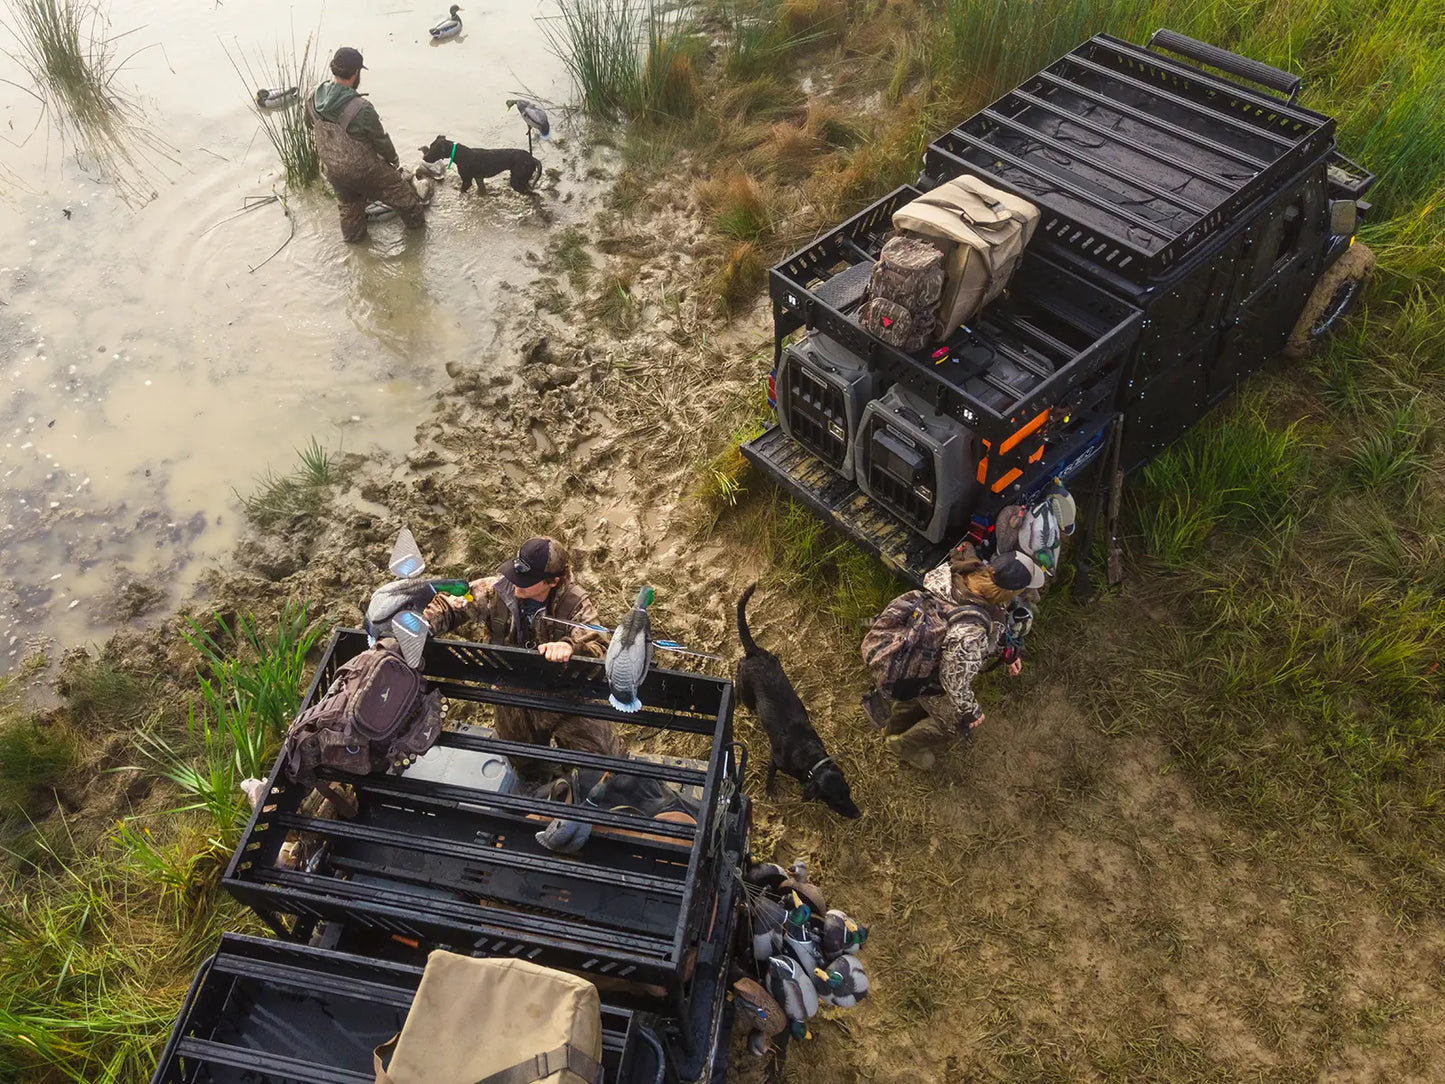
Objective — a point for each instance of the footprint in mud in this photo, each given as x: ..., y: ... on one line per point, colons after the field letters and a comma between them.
x: 545, y: 447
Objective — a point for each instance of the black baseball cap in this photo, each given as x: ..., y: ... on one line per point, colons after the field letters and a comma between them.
x: 1016, y: 571
x: 539, y: 559
x: 346, y: 61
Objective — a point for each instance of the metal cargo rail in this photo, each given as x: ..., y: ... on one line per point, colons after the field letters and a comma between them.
x: 1136, y: 158
x: 647, y: 904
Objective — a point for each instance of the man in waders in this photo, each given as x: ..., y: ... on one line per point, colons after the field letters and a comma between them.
x: 360, y: 161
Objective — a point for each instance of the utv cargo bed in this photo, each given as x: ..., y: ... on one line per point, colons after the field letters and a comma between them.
x: 646, y: 910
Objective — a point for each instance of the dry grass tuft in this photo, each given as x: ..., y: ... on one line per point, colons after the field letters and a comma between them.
x: 739, y: 280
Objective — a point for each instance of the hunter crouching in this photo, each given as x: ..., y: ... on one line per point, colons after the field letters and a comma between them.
x: 928, y: 647
x: 515, y: 607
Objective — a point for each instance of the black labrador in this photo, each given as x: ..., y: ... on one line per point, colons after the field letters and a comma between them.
x: 474, y: 163
x: 796, y: 748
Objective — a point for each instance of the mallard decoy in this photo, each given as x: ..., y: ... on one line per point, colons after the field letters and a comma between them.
x: 275, y: 99
x: 811, y: 894
x: 841, y: 934
x: 768, y: 875
x: 761, y: 1013
x: 564, y: 835
x: 449, y: 27
x: 534, y: 117
x: 629, y: 655
x: 792, y: 988
x: 767, y: 917
x: 844, y: 984
x: 798, y: 939
x: 395, y: 608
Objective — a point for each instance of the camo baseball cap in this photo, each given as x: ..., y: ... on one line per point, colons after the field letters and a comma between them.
x: 539, y: 558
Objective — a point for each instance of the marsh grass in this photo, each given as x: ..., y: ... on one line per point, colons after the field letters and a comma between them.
x: 72, y: 57
x: 34, y: 758
x: 304, y: 492
x: 568, y: 253
x: 100, y: 694
x: 286, y: 128
x: 628, y: 58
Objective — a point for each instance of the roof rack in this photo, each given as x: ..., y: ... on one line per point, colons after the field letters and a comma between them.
x: 1134, y: 158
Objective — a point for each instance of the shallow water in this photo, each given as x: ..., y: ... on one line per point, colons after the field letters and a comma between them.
x: 147, y: 375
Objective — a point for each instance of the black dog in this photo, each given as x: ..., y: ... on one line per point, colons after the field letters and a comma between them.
x: 475, y: 163
x: 797, y: 750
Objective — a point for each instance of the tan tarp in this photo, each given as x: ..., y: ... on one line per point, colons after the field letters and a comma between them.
x: 982, y: 230
x: 473, y: 1018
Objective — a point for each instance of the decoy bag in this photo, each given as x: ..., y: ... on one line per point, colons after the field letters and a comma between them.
x: 982, y: 231
x: 496, y: 1021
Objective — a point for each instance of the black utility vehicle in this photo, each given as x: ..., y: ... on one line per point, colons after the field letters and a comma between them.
x: 1185, y: 220
x: 647, y: 909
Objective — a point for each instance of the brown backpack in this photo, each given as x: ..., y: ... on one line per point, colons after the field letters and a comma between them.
x: 903, y: 291
x: 904, y: 646
x: 376, y: 716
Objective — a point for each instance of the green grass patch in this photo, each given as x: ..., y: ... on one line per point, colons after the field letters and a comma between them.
x: 304, y: 492
x: 627, y: 58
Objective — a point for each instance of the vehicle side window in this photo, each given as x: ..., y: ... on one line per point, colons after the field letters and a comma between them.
x: 1292, y: 228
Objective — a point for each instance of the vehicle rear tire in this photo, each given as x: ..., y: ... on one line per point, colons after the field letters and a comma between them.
x: 1335, y: 295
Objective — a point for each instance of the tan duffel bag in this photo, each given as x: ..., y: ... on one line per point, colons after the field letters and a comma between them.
x: 982, y: 231
x: 496, y: 1021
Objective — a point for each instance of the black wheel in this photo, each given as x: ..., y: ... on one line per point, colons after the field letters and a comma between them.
x: 1341, y: 303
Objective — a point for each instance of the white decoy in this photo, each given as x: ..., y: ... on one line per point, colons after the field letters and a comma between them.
x: 275, y: 99
x: 629, y: 655
x: 535, y: 118
x: 448, y: 28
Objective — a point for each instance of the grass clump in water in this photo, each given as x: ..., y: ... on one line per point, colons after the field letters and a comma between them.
x: 286, y: 127
x: 304, y: 492
x: 628, y: 58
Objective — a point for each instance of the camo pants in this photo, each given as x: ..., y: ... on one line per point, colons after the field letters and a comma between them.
x: 925, y: 724
x: 568, y: 731
x: 359, y: 176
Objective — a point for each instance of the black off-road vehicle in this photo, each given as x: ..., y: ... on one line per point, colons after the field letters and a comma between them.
x: 1186, y: 219
x: 646, y: 910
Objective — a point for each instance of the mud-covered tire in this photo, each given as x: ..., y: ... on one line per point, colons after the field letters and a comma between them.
x: 1335, y: 295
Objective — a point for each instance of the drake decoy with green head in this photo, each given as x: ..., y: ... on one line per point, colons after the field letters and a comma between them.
x: 792, y: 988
x: 629, y: 655
x: 275, y: 99
x: 566, y: 836
x: 841, y: 934
x: 844, y: 984
x: 449, y: 27
x: 395, y: 608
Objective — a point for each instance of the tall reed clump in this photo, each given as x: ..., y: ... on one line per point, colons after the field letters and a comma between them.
x: 286, y: 127
x: 303, y: 491
x: 628, y: 58
x: 234, y: 730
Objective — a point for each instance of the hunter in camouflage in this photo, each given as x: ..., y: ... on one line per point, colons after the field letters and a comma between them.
x: 515, y: 607
x: 359, y: 157
x: 916, y: 728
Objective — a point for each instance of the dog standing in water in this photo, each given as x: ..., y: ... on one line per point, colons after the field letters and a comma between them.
x: 474, y: 163
x: 797, y: 750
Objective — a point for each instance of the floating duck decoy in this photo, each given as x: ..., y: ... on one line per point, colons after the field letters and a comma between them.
x: 396, y: 608
x: 629, y: 655
x: 449, y: 27
x: 534, y: 117
x: 761, y: 1013
x: 792, y: 988
x: 275, y: 99
x: 844, y: 984
x: 841, y: 934
x: 767, y: 875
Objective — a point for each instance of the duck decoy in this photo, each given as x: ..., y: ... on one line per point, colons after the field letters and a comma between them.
x: 629, y: 655
x: 449, y: 27
x: 792, y: 988
x: 566, y: 836
x: 275, y: 99
x: 811, y: 894
x: 761, y: 1013
x: 798, y: 939
x: 534, y: 117
x: 395, y: 608
x: 841, y: 934
x: 767, y: 875
x: 767, y: 917
x: 844, y: 984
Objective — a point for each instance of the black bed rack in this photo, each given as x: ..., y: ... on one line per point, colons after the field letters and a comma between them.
x: 262, y: 1009
x: 1054, y: 339
x: 445, y: 865
x: 1136, y: 158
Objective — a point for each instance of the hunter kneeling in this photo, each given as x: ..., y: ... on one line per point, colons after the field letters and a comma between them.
x: 927, y: 648
x: 516, y: 607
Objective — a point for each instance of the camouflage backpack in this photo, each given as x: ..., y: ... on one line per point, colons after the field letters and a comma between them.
x: 377, y: 715
x: 903, y: 292
x: 904, y: 646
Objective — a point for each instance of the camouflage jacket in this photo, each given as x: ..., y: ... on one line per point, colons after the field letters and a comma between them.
x: 495, y: 607
x: 967, y: 647
x: 328, y: 102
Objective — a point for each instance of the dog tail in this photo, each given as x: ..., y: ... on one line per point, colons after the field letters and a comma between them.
x: 749, y: 648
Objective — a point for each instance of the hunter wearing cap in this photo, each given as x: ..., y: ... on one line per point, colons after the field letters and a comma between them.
x: 513, y: 607
x: 980, y: 591
x: 360, y: 160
